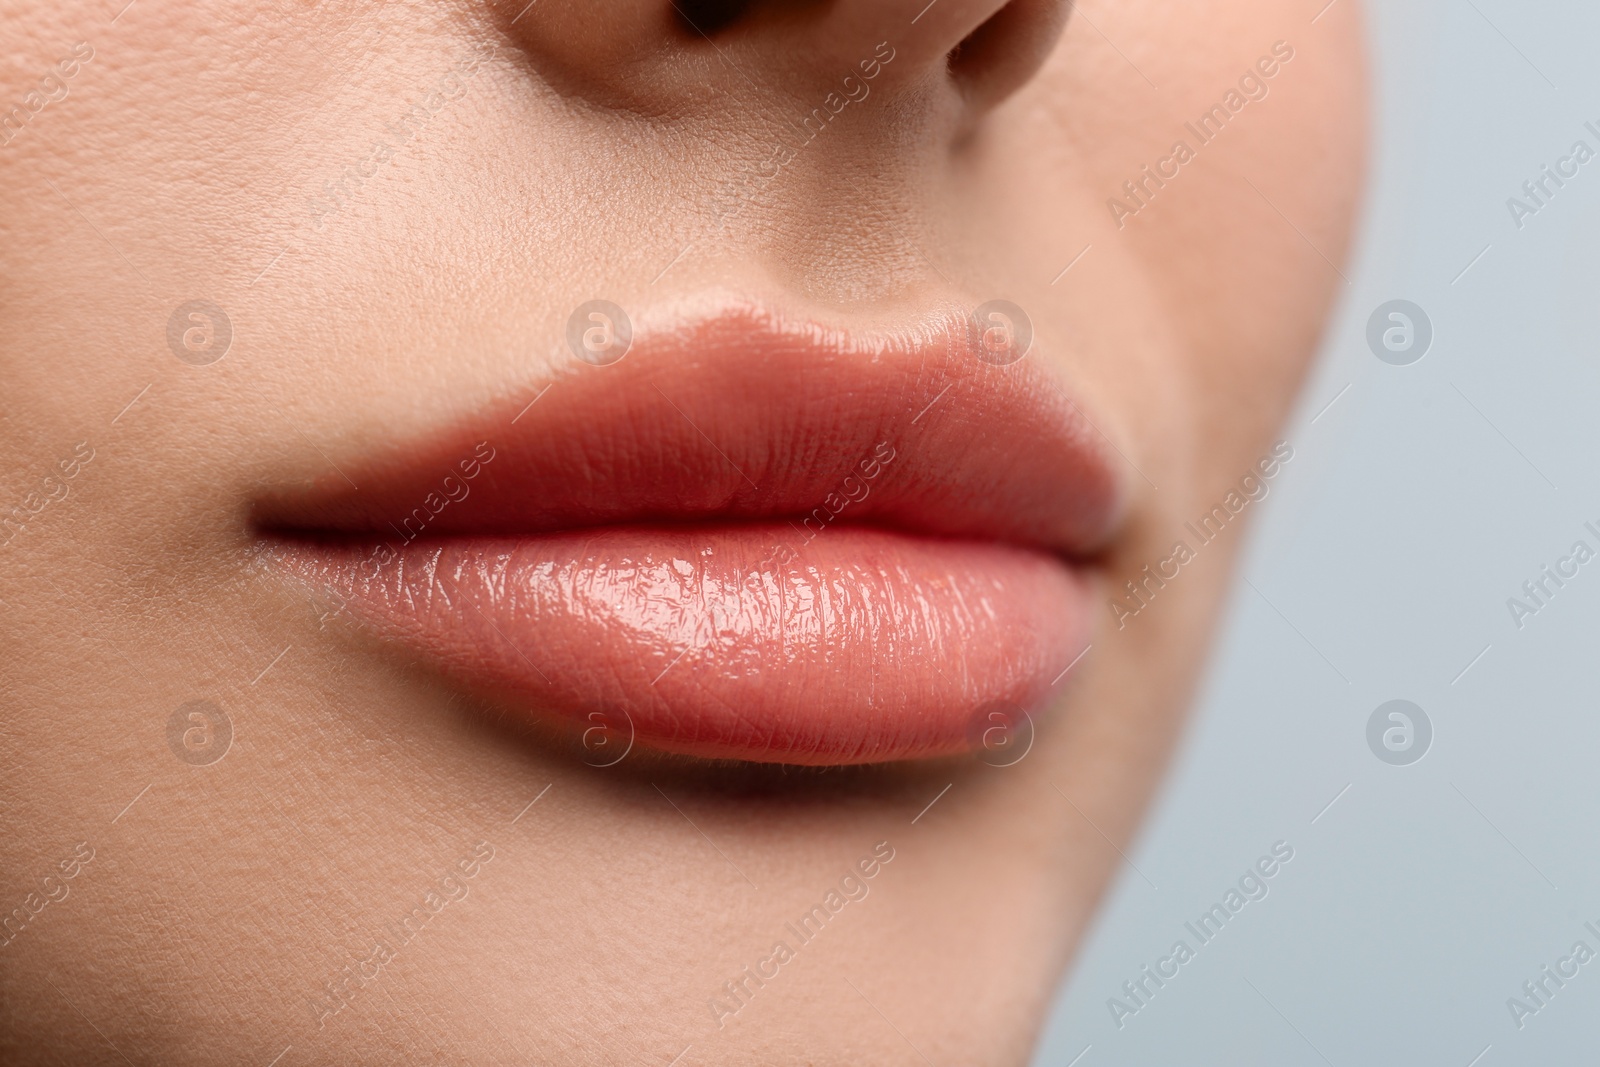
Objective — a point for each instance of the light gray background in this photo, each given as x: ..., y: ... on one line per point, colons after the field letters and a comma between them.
x: 1415, y: 506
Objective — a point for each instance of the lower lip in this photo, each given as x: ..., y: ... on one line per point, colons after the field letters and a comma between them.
x: 745, y: 642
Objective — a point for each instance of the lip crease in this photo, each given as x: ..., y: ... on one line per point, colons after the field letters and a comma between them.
x: 753, y: 538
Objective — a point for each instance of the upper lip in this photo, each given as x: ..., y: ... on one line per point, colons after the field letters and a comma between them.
x: 745, y: 415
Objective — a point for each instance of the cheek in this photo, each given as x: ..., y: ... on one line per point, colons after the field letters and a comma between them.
x: 1245, y: 290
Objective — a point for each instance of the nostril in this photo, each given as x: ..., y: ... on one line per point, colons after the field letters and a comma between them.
x: 1004, y: 51
x: 708, y: 16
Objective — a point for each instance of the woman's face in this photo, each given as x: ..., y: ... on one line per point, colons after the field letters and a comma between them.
x: 528, y: 537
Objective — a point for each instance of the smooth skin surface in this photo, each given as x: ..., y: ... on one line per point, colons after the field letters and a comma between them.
x: 578, y: 149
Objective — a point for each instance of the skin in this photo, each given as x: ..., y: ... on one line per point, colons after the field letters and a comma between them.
x: 583, y: 156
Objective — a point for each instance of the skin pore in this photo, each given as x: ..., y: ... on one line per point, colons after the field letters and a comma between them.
x: 397, y: 207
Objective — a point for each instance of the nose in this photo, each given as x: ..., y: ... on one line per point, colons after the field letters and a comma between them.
x: 667, y: 54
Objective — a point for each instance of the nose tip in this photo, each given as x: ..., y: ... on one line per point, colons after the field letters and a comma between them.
x: 660, y: 49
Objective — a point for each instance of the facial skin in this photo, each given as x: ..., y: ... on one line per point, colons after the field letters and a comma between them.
x: 580, y: 149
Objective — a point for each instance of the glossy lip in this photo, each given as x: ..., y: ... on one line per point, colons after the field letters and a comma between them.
x: 752, y: 538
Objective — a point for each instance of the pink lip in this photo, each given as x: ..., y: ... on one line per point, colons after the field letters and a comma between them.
x: 749, y: 539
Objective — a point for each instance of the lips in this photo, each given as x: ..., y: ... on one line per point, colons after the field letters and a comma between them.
x: 752, y: 538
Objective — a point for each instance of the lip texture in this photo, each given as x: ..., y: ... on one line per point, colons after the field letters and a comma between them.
x: 751, y: 539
